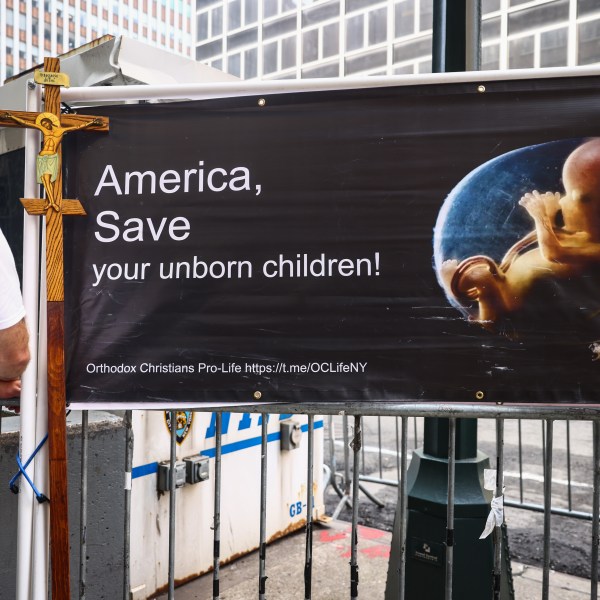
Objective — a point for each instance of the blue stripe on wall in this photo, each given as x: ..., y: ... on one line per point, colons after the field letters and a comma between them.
x: 152, y: 468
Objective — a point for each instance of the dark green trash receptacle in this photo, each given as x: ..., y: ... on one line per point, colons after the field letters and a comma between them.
x: 426, y: 534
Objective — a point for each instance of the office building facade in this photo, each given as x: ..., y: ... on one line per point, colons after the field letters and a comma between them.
x: 274, y: 39
x: 32, y: 29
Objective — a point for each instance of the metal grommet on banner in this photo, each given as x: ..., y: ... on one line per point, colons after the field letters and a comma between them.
x: 481, y: 89
x: 479, y: 395
x: 262, y: 102
x: 257, y: 395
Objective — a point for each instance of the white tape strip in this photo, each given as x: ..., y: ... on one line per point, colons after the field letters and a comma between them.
x: 495, y: 518
x: 489, y: 479
x: 127, y: 480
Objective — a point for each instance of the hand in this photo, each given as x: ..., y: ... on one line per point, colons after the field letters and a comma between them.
x: 10, y: 389
x: 552, y: 202
x: 535, y: 204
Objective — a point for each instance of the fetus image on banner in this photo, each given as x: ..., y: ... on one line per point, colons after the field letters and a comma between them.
x: 552, y: 271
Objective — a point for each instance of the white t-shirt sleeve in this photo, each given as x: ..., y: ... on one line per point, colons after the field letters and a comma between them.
x: 12, y: 309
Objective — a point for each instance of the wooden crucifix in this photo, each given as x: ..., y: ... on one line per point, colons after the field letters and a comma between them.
x: 53, y: 127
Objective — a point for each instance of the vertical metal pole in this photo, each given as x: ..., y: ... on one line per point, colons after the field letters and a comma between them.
x: 172, y: 498
x: 595, y: 512
x: 309, y: 511
x: 83, y: 506
x: 547, y: 508
x: 398, y: 459
x: 450, y: 510
x: 473, y: 35
x: 262, y: 578
x: 569, y: 490
x: 332, y: 459
x: 544, y: 445
x: 346, y: 455
x: 520, y: 463
x: 217, y: 508
x: 41, y: 512
x: 438, y: 53
x: 379, y: 447
x: 499, y: 492
x: 416, y: 444
x: 356, y: 446
x: 26, y: 544
x: 403, y: 509
x: 127, y: 500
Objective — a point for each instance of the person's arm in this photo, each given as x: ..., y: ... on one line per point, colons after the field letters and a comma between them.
x: 14, y: 357
x: 32, y: 124
x: 10, y: 389
x: 14, y: 351
x: 551, y: 247
x: 83, y: 125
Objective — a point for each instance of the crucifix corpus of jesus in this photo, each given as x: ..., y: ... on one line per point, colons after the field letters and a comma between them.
x: 53, y: 127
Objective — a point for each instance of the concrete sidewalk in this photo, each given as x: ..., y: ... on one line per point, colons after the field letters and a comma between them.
x: 331, y: 572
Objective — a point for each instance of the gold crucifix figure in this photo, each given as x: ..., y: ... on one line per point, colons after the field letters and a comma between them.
x: 48, y: 161
x: 53, y: 126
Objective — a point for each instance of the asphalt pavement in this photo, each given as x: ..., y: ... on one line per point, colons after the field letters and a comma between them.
x: 285, y: 560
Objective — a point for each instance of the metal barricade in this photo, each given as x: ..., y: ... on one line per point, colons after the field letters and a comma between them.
x: 403, y: 420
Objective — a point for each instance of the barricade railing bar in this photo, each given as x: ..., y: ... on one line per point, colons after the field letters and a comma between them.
x: 393, y: 478
x: 351, y: 490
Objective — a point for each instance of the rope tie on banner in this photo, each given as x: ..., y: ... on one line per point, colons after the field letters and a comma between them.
x: 496, y: 516
x: 12, y: 484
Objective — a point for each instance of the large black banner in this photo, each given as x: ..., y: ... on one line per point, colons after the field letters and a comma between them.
x: 430, y: 242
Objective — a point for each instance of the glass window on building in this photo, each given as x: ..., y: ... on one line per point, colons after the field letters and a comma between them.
x: 310, y: 45
x: 202, y: 25
x: 553, y: 48
x: 490, y: 57
x: 586, y: 7
x: 355, y: 33
x: 270, y: 57
x: 234, y: 13
x: 424, y: 66
x: 251, y: 63
x: 425, y: 16
x: 250, y: 12
x: 234, y: 64
x: 331, y: 40
x: 270, y: 8
x: 588, y: 43
x: 404, y: 18
x: 288, y: 52
x: 521, y: 53
x: 488, y: 6
x: 216, y: 21
x: 490, y: 29
x: 288, y: 5
x: 377, y: 26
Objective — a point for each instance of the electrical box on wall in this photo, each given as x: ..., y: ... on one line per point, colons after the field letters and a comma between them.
x: 196, y: 468
x: 291, y: 434
x: 164, y: 475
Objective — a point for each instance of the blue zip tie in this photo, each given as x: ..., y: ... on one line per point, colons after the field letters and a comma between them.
x: 12, y: 484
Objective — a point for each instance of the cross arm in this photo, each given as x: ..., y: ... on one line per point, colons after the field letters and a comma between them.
x: 74, y: 120
x: 70, y: 120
